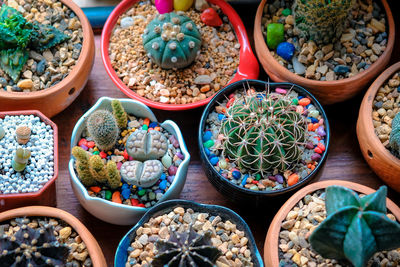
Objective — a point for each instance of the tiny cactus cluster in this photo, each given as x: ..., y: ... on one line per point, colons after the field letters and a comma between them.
x: 322, y: 21
x: 119, y: 113
x: 172, y: 40
x: 103, y: 128
x: 263, y: 132
x: 394, y: 140
x: 20, y: 159
x: 356, y: 227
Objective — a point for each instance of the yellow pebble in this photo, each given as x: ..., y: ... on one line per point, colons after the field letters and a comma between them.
x: 182, y: 5
x: 95, y: 148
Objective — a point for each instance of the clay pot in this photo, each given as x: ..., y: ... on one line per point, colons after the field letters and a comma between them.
x: 93, y: 247
x: 381, y: 161
x: 271, y: 250
x: 55, y: 99
x: 327, y: 92
x: 47, y: 194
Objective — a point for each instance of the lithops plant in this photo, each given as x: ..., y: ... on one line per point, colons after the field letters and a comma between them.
x: 322, y: 21
x: 103, y: 128
x: 172, y: 40
x: 119, y: 113
x: 394, y: 140
x: 356, y: 227
x: 32, y: 247
x: 23, y: 134
x: 186, y: 249
x: 20, y: 159
x: 143, y: 145
x: 263, y: 132
x: 144, y: 174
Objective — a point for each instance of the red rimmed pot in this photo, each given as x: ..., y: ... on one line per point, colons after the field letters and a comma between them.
x: 47, y: 194
x: 327, y: 92
x: 247, y: 69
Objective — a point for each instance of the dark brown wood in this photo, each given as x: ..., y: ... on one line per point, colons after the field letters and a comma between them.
x: 345, y: 161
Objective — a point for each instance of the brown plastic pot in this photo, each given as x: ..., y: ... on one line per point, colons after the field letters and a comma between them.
x: 327, y: 92
x: 93, y: 247
x: 381, y: 161
x: 271, y: 251
x: 47, y: 194
x: 55, y: 99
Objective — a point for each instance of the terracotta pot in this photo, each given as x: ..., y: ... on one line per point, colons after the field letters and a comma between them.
x: 382, y: 162
x: 47, y: 194
x: 327, y: 92
x: 271, y: 252
x: 55, y: 99
x: 93, y: 247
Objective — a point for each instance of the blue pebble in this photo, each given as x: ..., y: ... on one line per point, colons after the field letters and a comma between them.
x: 207, y: 136
x: 221, y: 117
x: 300, y: 97
x: 126, y: 193
x: 163, y: 176
x: 341, y: 69
x: 124, y: 186
x: 153, y: 124
x: 245, y: 179
x: 398, y: 89
x: 214, y: 160
x: 308, y: 106
x: 314, y: 120
x: 163, y: 185
x: 171, y: 179
x: 285, y: 50
x: 207, y: 151
x: 236, y: 175
x: 361, y: 65
x: 211, y: 155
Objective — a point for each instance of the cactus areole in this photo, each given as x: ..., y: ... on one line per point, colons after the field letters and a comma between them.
x: 172, y: 40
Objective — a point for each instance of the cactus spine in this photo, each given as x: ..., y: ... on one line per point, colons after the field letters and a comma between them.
x: 103, y: 128
x: 119, y: 113
x: 82, y: 166
x: 394, y: 140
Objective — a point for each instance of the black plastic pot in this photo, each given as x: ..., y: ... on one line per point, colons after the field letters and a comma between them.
x: 240, y: 194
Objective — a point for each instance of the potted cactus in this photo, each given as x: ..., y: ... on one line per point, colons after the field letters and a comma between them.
x: 335, y: 222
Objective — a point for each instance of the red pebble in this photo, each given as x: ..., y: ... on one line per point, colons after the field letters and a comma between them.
x: 125, y: 154
x: 210, y: 17
x: 230, y: 102
x: 82, y: 142
x: 90, y: 144
x: 172, y: 170
x: 317, y: 150
x: 103, y: 154
x: 119, y: 164
x: 254, y: 182
x: 134, y: 202
x: 321, y: 146
x: 140, y: 205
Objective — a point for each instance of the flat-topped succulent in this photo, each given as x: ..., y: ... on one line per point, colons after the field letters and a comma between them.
x: 103, y: 128
x: 144, y: 145
x: 172, y: 40
x: 355, y: 227
x: 394, y: 140
x: 20, y: 159
x: 143, y: 174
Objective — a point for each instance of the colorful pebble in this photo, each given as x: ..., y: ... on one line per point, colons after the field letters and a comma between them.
x: 163, y: 185
x: 304, y: 101
x: 182, y: 5
x: 280, y: 91
x: 207, y: 136
x: 209, y: 143
x: 275, y: 35
x: 210, y: 17
x: 116, y: 197
x: 285, y: 50
x: 108, y: 195
x: 95, y: 189
x: 293, y: 179
x: 214, y: 160
x: 164, y: 6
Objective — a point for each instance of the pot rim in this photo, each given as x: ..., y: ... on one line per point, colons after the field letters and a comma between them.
x: 47, y: 121
x: 91, y: 243
x: 247, y: 68
x: 83, y: 56
x: 271, y: 254
x: 223, y: 180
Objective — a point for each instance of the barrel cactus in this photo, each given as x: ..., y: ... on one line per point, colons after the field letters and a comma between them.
x: 322, y: 21
x: 263, y: 132
x: 355, y: 228
x: 394, y: 140
x: 172, y: 40
x: 103, y: 128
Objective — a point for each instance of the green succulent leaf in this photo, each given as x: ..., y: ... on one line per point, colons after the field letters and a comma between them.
x: 46, y: 36
x: 15, y: 31
x: 338, y: 197
x: 12, y: 61
x: 375, y: 201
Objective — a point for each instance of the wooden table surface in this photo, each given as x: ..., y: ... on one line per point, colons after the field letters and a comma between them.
x: 344, y: 162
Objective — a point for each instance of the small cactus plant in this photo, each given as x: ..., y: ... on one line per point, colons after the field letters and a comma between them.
x: 20, y: 159
x: 322, y: 21
x: 394, y: 140
x: 172, y: 40
x: 103, y: 128
x: 82, y: 166
x: 263, y: 132
x: 355, y: 228
x: 119, y: 113
x: 96, y: 167
x: 143, y: 145
x: 144, y: 174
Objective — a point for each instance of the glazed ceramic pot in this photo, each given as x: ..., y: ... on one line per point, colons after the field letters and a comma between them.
x: 93, y: 247
x: 327, y: 92
x: 271, y: 251
x: 47, y: 194
x: 55, y: 99
x: 241, y: 194
x: 119, y: 213
x: 247, y: 69
x: 381, y: 161
x: 168, y: 206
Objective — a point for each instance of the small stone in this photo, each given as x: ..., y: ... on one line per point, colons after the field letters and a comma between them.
x: 126, y: 22
x: 74, y: 24
x: 310, y: 72
x: 65, y: 232
x: 285, y: 50
x: 166, y: 161
x: 27, y: 74
x: 330, y: 76
x: 289, y: 20
x: 182, y: 5
x: 164, y: 6
x: 209, y: 16
x: 275, y: 34
x: 203, y: 79
x: 299, y: 68
x: 341, y: 69
x: 376, y: 48
x: 323, y: 69
x: 41, y: 66
x: 48, y: 55
x: 327, y: 48
x: 378, y: 25
x: 201, y: 5
x: 25, y: 84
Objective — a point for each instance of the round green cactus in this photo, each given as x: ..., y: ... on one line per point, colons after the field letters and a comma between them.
x: 263, y: 132
x: 172, y: 40
x: 103, y: 128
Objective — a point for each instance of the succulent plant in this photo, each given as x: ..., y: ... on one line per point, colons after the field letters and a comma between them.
x: 263, y: 132
x: 32, y: 247
x: 113, y: 175
x: 119, y: 113
x: 144, y: 174
x: 103, y: 128
x: 172, y: 40
x: 355, y: 227
x: 17, y: 35
x: 394, y: 140
x: 82, y: 166
x: 20, y: 159
x: 96, y: 167
x: 2, y: 132
x: 143, y: 145
x: 322, y: 21
x: 186, y: 249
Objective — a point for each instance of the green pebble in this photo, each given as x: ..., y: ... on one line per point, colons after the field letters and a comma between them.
x: 152, y: 196
x: 2, y: 132
x: 209, y: 143
x: 142, y: 192
x: 145, y: 127
x: 313, y: 113
x: 254, y: 187
x: 223, y: 164
x: 275, y: 35
x: 286, y: 12
x: 96, y: 152
x: 258, y: 177
x: 295, y: 101
x: 108, y: 195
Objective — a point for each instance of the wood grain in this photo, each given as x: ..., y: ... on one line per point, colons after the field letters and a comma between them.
x: 345, y: 161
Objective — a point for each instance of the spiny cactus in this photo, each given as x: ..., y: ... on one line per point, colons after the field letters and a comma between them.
x: 394, y: 140
x: 20, y: 159
x: 172, y: 40
x: 103, y: 128
x: 143, y: 145
x: 82, y: 166
x: 144, y: 174
x: 32, y: 247
x: 113, y: 175
x: 186, y: 249
x: 96, y: 167
x: 119, y: 113
x: 355, y: 228
x: 263, y: 132
x: 322, y: 21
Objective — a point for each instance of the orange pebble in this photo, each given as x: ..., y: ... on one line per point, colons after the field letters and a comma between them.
x: 304, y: 101
x: 310, y: 127
x: 116, y: 197
x: 317, y: 150
x: 312, y: 167
x: 95, y: 189
x: 157, y: 128
x: 293, y: 179
x: 315, y: 126
x: 146, y: 121
x: 321, y: 146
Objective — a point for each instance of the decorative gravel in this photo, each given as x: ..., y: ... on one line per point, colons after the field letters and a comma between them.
x: 40, y: 167
x: 46, y: 69
x: 213, y: 68
x: 294, y: 248
x: 360, y: 45
x: 231, y: 241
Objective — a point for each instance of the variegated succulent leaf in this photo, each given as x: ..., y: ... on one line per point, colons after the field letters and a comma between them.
x: 394, y: 140
x: 12, y: 61
x: 15, y: 30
